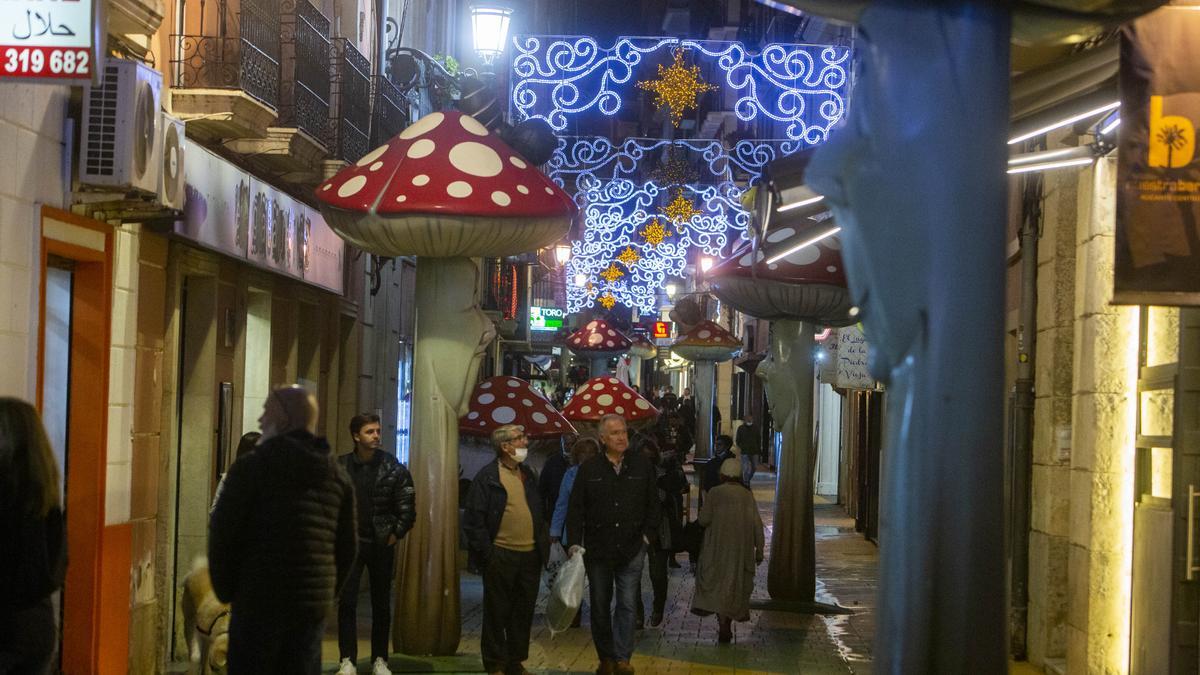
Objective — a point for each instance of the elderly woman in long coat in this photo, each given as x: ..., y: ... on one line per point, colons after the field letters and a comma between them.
x: 733, y: 546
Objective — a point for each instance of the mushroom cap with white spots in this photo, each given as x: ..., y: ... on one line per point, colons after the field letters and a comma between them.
x: 445, y: 186
x: 509, y: 400
x: 643, y: 348
x: 596, y: 338
x: 808, y: 285
x: 606, y: 395
x: 707, y: 341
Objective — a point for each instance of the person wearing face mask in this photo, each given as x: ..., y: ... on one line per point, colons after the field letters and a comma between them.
x: 508, y: 539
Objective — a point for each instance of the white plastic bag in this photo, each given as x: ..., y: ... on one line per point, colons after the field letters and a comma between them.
x: 566, y: 595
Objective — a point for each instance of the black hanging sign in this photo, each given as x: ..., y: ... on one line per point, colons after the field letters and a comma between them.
x: 1158, y: 168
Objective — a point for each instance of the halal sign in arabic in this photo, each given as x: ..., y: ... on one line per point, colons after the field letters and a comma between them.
x: 48, y: 39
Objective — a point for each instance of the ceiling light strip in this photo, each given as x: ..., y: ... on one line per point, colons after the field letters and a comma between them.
x: 1064, y: 122
x: 824, y: 235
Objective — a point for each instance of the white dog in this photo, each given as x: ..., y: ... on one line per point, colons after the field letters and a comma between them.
x: 207, y: 619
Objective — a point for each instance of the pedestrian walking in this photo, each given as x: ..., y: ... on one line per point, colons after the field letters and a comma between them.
x: 687, y: 410
x: 614, y: 514
x: 584, y: 449
x: 722, y: 450
x: 747, y: 441
x: 33, y: 538
x: 670, y: 481
x: 385, y: 501
x: 281, y: 541
x: 733, y: 546
x: 551, y: 480
x: 507, y: 534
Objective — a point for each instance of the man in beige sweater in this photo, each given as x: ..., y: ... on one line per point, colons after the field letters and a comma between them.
x: 508, y: 538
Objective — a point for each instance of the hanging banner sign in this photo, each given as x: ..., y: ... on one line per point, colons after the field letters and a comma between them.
x: 1158, y: 171
x: 51, y: 40
x: 851, y: 357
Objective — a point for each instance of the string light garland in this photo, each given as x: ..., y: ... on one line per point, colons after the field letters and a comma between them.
x: 608, y: 301
x: 654, y: 233
x: 680, y: 210
x: 629, y: 257
x: 678, y: 87
x: 612, y: 273
x: 675, y: 169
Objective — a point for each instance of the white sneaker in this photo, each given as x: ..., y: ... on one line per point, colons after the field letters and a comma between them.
x: 381, y: 668
x: 347, y: 668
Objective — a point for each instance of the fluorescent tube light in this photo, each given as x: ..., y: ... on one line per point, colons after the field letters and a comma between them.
x: 824, y: 235
x: 1045, y: 156
x: 1110, y: 126
x: 802, y: 202
x: 1062, y: 123
x: 1046, y: 166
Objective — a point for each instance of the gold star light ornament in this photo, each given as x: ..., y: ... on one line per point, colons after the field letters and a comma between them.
x: 629, y: 257
x: 681, y: 209
x: 655, y: 233
x: 607, y: 300
x: 678, y: 87
x: 612, y: 273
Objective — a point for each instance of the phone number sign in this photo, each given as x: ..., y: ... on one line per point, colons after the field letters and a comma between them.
x: 52, y: 40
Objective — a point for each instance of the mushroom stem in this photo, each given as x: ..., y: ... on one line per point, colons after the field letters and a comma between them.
x: 451, y: 337
x: 706, y: 376
x: 599, y: 366
x: 788, y: 378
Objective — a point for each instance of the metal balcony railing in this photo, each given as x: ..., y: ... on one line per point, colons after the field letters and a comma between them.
x: 390, y: 110
x: 240, y: 52
x: 350, y: 112
x: 304, y: 68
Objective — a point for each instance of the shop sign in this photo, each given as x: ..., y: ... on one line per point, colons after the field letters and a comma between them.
x: 852, y: 370
x: 49, y: 40
x: 1158, y: 169
x: 230, y: 211
x: 661, y: 330
x: 546, y: 318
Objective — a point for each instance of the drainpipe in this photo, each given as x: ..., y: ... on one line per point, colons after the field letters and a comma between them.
x: 1022, y: 410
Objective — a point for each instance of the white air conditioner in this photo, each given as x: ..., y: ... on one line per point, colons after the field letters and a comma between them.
x: 121, y: 138
x: 171, y: 186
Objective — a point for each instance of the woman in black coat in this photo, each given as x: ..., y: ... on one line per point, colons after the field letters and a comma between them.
x: 32, y: 537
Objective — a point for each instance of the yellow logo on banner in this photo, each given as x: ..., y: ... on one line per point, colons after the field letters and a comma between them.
x: 1172, y: 138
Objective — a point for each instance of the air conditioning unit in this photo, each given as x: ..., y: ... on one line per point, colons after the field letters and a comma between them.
x: 171, y: 185
x: 121, y: 138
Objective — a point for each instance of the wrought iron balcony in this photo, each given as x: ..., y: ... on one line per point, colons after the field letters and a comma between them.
x: 304, y: 69
x: 350, y: 118
x: 239, y: 52
x: 391, y: 110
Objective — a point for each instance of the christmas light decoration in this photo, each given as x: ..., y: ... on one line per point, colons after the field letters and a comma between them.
x: 676, y: 169
x: 654, y: 233
x: 677, y: 88
x: 629, y: 257
x: 607, y: 300
x: 680, y: 210
x: 611, y: 273
x: 802, y: 87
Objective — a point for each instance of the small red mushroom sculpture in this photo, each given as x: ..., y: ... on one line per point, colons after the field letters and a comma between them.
x: 607, y: 395
x: 445, y: 189
x: 705, y: 345
x: 641, y: 350
x: 798, y: 288
x: 598, y: 341
x: 509, y: 400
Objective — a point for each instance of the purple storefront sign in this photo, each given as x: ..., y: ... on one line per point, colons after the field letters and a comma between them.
x: 234, y: 213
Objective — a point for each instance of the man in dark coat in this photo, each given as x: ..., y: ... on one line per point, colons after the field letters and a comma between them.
x: 722, y: 450
x: 281, y: 541
x: 614, y: 511
x: 747, y: 441
x: 551, y: 479
x: 509, y: 539
x: 384, y: 493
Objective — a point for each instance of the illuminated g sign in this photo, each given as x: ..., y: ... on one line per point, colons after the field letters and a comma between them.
x: 1172, y: 138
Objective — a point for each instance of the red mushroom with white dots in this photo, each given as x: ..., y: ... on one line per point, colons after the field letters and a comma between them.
x: 607, y: 395
x: 599, y: 342
x: 502, y: 400
x: 705, y: 344
x: 446, y: 190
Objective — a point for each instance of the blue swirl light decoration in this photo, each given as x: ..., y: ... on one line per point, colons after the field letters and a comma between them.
x: 803, y: 86
x: 616, y: 211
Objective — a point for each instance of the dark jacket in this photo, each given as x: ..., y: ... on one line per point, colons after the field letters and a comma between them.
x: 281, y: 538
x: 747, y: 439
x: 394, y: 501
x: 610, y: 513
x: 34, y: 559
x: 712, y: 470
x: 486, y: 501
x: 551, y: 480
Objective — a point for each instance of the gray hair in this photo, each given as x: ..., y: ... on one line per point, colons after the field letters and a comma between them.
x: 604, y: 419
x: 504, y: 434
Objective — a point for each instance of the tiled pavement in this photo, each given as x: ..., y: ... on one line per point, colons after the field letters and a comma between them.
x: 771, y: 642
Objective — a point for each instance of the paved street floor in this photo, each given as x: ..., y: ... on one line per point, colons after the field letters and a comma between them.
x: 771, y: 642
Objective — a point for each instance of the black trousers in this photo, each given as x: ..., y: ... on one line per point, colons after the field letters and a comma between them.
x: 379, y: 561
x: 269, y: 641
x: 27, y: 639
x: 510, y: 589
x: 657, y: 558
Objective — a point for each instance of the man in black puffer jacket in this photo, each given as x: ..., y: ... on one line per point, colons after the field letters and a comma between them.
x: 281, y: 541
x: 384, y: 492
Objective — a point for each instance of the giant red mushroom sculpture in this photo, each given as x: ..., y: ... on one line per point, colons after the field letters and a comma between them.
x: 606, y: 395
x: 444, y: 189
x: 598, y: 341
x: 706, y: 344
x: 508, y: 400
x: 642, y: 349
x: 796, y: 287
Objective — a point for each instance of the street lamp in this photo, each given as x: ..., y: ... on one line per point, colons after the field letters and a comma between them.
x: 562, y: 253
x: 671, y: 289
x: 489, y: 29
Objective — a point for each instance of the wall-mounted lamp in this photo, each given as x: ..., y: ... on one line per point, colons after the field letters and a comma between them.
x: 706, y: 264
x: 562, y: 253
x: 671, y: 289
x: 489, y: 29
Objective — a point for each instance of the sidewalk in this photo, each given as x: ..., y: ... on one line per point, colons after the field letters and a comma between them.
x: 771, y: 642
